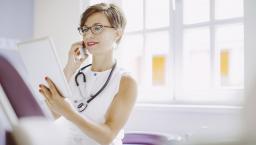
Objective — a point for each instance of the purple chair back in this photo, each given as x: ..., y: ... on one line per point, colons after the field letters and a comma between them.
x: 17, y: 92
x: 144, y: 139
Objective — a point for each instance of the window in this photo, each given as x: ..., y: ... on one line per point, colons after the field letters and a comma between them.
x: 210, y: 38
x: 184, y: 51
x: 146, y: 48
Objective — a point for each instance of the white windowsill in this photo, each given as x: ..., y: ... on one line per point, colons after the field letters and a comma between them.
x: 189, y: 108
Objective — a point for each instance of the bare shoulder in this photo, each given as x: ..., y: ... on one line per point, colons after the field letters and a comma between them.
x: 128, y: 86
x: 128, y: 82
x: 128, y: 79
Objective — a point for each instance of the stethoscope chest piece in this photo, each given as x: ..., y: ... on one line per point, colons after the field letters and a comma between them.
x: 81, y: 106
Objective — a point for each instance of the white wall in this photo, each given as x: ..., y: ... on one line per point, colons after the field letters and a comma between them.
x: 250, y: 67
x: 16, y: 19
x: 194, y: 122
x: 16, y: 22
x: 58, y: 19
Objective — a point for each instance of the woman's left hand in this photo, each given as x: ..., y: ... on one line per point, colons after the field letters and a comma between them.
x: 54, y: 98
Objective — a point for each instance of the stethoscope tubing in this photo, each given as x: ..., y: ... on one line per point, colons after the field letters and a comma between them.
x: 83, y: 106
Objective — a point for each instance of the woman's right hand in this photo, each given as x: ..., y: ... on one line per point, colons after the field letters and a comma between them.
x: 73, y: 59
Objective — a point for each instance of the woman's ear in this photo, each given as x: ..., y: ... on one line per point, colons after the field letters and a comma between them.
x: 119, y: 34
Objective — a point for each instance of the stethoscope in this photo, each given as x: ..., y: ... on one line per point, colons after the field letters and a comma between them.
x: 81, y: 105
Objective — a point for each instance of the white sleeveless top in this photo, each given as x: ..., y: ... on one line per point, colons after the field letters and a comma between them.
x: 98, y: 107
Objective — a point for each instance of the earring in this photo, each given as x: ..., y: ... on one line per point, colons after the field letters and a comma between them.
x: 114, y: 45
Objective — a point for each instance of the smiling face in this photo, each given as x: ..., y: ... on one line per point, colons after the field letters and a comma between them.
x: 102, y: 42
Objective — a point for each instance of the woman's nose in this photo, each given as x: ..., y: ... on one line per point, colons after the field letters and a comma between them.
x: 89, y: 34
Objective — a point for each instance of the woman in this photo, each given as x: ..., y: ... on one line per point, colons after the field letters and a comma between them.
x: 111, y: 90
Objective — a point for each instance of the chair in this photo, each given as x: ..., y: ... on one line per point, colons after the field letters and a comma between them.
x: 5, y: 132
x: 144, y: 138
x: 29, y: 114
x: 19, y: 95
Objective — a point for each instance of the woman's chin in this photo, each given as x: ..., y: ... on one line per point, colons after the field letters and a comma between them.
x: 90, y: 50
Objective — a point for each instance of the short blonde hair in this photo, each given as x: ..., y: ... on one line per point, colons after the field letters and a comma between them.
x: 113, y: 13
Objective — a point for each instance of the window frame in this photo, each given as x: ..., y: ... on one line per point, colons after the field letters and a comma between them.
x: 168, y: 98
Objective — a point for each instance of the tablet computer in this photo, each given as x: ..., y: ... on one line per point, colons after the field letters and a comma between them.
x: 40, y: 60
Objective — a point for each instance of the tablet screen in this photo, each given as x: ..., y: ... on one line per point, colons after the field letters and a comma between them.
x: 40, y: 59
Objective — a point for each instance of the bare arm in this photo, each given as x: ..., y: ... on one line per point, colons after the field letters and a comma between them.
x: 68, y: 72
x: 55, y: 115
x: 73, y: 65
x: 116, y: 117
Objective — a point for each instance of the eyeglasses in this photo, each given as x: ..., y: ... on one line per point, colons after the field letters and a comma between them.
x: 95, y: 29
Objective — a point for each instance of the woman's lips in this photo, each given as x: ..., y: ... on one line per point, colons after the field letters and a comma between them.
x: 91, y: 43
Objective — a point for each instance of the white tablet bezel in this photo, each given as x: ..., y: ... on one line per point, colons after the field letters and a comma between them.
x: 55, y: 65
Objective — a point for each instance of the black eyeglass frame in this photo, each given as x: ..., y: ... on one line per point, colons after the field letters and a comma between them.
x: 81, y: 29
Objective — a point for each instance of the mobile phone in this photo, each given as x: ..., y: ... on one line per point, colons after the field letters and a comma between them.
x: 83, y: 53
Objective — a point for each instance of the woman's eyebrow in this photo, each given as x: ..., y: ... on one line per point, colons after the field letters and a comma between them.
x: 93, y: 24
x: 96, y: 24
